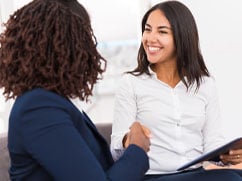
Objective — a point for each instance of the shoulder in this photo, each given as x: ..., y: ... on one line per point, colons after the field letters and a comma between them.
x: 208, y: 87
x: 208, y: 82
x: 134, y: 82
x: 127, y: 82
x: 39, y: 109
x: 40, y: 98
x: 128, y: 78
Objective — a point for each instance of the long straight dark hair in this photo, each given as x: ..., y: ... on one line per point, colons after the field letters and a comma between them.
x: 190, y: 61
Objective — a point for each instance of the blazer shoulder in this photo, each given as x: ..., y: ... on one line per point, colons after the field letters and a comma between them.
x: 42, y: 98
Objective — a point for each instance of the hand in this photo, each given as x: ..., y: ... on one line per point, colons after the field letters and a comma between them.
x: 233, y: 157
x: 138, y: 135
x: 126, y: 137
x: 213, y: 167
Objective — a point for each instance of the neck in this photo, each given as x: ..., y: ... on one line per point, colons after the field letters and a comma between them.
x: 167, y: 73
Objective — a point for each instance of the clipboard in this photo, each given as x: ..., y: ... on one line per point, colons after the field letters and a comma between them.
x: 214, y: 154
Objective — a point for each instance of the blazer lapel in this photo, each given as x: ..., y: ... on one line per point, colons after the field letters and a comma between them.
x: 93, y: 127
x: 107, y: 159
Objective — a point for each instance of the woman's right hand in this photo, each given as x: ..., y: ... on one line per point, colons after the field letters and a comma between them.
x: 138, y: 135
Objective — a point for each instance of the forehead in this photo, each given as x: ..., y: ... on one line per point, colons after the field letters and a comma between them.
x: 157, y: 18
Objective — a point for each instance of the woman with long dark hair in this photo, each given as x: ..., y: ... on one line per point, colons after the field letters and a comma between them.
x: 173, y: 94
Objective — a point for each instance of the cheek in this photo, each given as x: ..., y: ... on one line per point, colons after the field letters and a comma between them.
x: 144, y: 43
x: 143, y: 40
x: 173, y: 48
x: 170, y: 46
x: 169, y: 43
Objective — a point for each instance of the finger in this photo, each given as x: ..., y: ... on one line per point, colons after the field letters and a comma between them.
x: 237, y: 159
x: 146, y: 131
x: 235, y: 152
x: 134, y: 124
x: 232, y: 159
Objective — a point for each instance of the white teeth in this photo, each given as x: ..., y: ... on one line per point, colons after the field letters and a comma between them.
x: 153, y: 48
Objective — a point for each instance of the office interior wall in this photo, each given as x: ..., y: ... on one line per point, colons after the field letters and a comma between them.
x: 116, y: 24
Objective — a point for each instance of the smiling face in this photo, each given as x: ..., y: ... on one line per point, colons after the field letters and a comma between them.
x: 157, y: 39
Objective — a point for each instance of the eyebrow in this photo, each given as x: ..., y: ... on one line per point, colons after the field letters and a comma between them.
x: 159, y: 27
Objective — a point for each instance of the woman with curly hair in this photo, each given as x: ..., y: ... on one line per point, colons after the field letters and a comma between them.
x: 48, y: 56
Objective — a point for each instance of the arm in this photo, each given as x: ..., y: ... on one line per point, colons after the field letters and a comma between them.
x: 213, y: 166
x: 213, y: 127
x: 124, y: 115
x: 52, y: 139
x: 213, y: 132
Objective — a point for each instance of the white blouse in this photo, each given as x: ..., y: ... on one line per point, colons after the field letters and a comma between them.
x: 184, y: 124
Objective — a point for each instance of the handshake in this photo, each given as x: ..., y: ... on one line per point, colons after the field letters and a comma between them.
x: 138, y: 135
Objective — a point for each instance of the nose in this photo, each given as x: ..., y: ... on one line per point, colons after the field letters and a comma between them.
x: 151, y: 36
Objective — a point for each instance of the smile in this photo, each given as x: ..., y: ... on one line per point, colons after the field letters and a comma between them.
x: 153, y: 49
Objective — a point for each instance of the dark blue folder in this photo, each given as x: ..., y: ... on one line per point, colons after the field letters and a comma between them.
x: 214, y: 155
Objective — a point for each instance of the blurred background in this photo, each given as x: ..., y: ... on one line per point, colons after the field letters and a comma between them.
x: 116, y: 24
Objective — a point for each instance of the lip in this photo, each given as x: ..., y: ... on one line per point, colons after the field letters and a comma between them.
x: 153, y: 49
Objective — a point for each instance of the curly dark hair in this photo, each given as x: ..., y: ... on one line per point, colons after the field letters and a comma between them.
x: 50, y: 44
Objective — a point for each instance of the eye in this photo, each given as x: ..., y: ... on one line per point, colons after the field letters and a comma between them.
x: 147, y: 29
x: 163, y: 32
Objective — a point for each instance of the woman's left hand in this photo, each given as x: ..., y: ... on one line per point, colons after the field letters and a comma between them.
x: 233, y: 157
x: 213, y: 167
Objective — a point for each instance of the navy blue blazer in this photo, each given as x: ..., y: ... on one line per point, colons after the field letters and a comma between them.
x: 50, y: 139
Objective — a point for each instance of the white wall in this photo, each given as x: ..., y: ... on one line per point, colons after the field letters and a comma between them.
x: 220, y: 36
x: 220, y: 29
